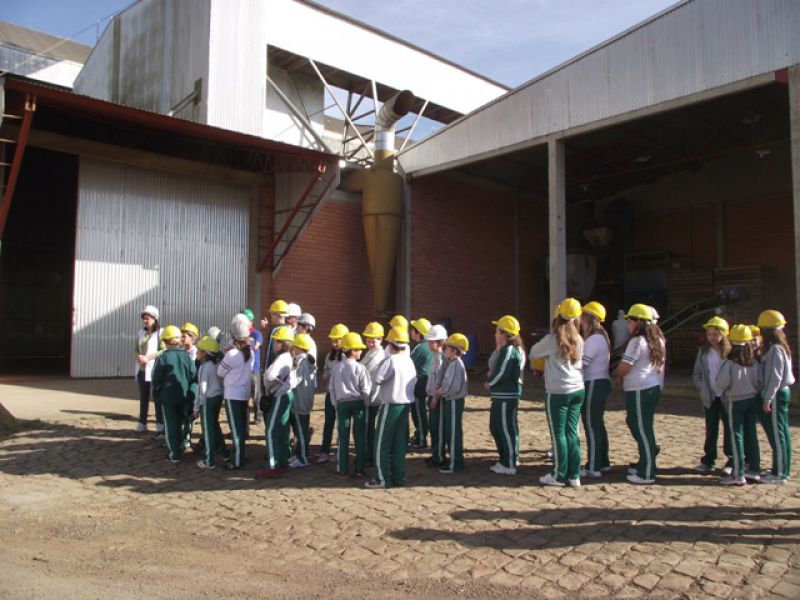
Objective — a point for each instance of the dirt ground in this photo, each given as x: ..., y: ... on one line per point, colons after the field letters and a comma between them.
x: 89, y: 509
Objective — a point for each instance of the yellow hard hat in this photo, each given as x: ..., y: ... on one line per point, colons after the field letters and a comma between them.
x: 719, y: 323
x: 338, y: 331
x: 422, y: 325
x: 771, y: 319
x: 640, y: 311
x: 595, y: 309
x: 352, y: 341
x: 507, y: 323
x: 373, y: 330
x: 740, y: 334
x: 398, y: 321
x: 398, y: 335
x: 302, y: 341
x: 190, y: 328
x: 458, y: 340
x: 279, y: 306
x: 569, y: 309
x: 283, y: 334
x: 755, y: 330
x: 208, y: 344
x: 170, y: 332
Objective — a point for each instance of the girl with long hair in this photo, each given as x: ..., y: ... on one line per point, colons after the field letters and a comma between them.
x: 563, y: 382
x: 596, y: 359
x: 642, y: 373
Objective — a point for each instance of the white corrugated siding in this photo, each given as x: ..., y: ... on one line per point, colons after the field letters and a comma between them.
x: 694, y: 47
x: 147, y: 237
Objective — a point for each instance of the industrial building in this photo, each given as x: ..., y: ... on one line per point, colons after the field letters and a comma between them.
x: 195, y: 168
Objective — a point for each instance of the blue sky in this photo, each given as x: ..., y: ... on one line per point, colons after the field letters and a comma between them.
x: 508, y: 40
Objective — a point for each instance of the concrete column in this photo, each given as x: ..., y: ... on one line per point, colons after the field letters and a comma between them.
x: 794, y: 129
x: 557, y: 221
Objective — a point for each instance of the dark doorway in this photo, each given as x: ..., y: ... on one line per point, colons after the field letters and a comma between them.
x: 36, y: 265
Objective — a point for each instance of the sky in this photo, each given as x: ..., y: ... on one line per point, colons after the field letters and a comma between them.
x: 510, y: 41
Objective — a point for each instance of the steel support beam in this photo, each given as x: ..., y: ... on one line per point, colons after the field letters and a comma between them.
x: 413, y: 126
x: 794, y: 129
x: 16, y: 164
x: 321, y: 168
x: 299, y: 115
x: 557, y: 221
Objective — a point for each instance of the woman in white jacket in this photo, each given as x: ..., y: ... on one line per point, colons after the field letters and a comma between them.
x: 148, y: 345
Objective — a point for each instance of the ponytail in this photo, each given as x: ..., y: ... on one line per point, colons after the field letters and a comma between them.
x: 567, y: 338
x: 775, y: 337
x: 655, y: 340
x: 244, y: 347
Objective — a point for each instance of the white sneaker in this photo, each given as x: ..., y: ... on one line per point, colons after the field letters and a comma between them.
x: 574, y: 482
x: 141, y: 428
x: 298, y: 464
x: 631, y: 470
x: 772, y: 479
x: 703, y: 468
x: 495, y: 466
x: 752, y: 476
x: 202, y: 464
x: 639, y: 481
x: 550, y: 480
x: 549, y: 453
x: 323, y: 458
x: 501, y: 470
x: 159, y: 427
x: 727, y: 470
x: 592, y: 474
x: 731, y: 480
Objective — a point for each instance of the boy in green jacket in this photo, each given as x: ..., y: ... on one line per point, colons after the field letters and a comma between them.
x: 174, y: 386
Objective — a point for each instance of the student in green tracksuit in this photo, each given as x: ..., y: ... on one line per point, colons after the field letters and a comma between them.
x: 396, y: 377
x: 435, y: 338
x: 303, y: 402
x: 451, y: 392
x: 563, y: 382
x: 596, y: 378
x: 349, y: 388
x: 209, y: 399
x: 704, y: 376
x: 642, y: 372
x: 174, y: 385
x: 776, y: 365
x: 338, y: 331
x: 280, y: 379
x: 421, y: 355
x: 371, y: 359
x: 236, y: 372
x: 507, y: 365
x: 739, y: 382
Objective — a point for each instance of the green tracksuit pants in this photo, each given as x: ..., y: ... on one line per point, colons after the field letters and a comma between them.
x: 453, y: 432
x: 276, y: 432
x: 419, y: 413
x: 714, y: 414
x: 776, y: 426
x: 742, y: 416
x: 350, y: 415
x: 301, y: 426
x: 503, y: 427
x: 237, y: 421
x: 390, y: 444
x: 563, y: 416
x: 213, y: 441
x: 173, y: 428
x: 594, y: 424
x: 640, y: 407
x: 370, y: 415
x: 329, y: 426
x: 437, y: 431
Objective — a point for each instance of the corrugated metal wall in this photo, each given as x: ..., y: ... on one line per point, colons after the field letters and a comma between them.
x: 147, y: 237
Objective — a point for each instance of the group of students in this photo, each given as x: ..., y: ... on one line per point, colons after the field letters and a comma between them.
x: 374, y: 381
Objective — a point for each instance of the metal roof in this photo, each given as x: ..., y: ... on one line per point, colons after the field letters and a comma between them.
x: 691, y: 48
x: 42, y: 43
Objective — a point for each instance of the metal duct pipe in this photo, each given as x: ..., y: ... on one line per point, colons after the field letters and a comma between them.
x: 382, y: 200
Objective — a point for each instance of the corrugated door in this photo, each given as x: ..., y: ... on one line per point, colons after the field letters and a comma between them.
x: 147, y: 237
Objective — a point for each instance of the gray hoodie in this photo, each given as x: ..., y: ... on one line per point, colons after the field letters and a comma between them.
x: 372, y: 360
x: 303, y: 402
x: 349, y: 381
x: 435, y: 373
x: 776, y: 372
x: 701, y: 379
x: 560, y: 375
x: 737, y: 382
x: 454, y: 380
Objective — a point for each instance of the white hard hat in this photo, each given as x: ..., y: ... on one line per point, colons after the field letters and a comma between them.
x: 656, y: 316
x: 240, y: 327
x: 293, y: 310
x: 150, y: 310
x: 307, y: 319
x: 213, y: 332
x: 437, y: 333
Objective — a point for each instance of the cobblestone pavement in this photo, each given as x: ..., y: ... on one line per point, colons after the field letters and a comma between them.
x: 686, y: 536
